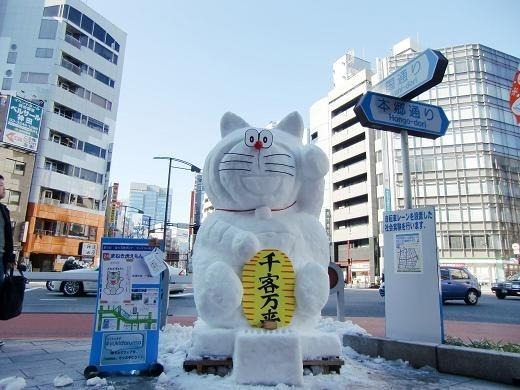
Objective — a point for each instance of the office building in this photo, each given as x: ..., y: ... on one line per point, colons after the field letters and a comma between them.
x: 69, y: 57
x: 470, y: 175
x: 151, y: 200
x: 350, y: 210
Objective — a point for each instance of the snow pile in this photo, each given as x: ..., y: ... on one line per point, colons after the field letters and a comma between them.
x: 97, y: 382
x: 12, y: 383
x: 62, y: 380
x: 359, y: 371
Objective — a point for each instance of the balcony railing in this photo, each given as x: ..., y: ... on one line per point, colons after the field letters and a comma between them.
x: 54, y: 202
x: 73, y: 41
x: 70, y: 66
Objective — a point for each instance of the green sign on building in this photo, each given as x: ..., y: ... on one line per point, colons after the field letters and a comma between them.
x: 22, y: 124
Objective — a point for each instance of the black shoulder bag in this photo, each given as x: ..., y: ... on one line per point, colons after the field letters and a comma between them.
x: 12, y: 290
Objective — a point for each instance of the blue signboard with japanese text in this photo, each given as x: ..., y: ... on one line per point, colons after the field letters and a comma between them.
x: 392, y: 114
x: 411, y: 265
x: 127, y: 319
x: 416, y: 76
x: 22, y: 124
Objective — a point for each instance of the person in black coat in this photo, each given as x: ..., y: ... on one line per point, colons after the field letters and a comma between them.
x: 6, y: 238
x: 7, y: 257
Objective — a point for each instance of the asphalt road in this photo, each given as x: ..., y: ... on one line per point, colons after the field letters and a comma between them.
x: 358, y: 303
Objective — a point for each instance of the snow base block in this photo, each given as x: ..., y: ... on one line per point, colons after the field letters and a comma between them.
x: 268, y: 357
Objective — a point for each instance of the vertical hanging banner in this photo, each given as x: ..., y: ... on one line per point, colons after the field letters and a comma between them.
x: 127, y: 320
x: 514, y: 97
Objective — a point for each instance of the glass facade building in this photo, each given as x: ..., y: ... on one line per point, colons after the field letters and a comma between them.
x: 151, y: 199
x: 471, y: 175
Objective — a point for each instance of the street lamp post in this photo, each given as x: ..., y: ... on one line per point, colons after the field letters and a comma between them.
x: 192, y: 168
x: 139, y: 211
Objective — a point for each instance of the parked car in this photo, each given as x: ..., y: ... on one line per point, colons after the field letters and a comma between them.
x: 79, y: 287
x: 457, y: 283
x: 511, y: 286
x: 71, y: 288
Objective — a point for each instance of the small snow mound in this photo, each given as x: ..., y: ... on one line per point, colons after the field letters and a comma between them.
x: 96, y: 381
x: 12, y: 383
x: 62, y: 380
x: 163, y: 378
x: 340, y: 328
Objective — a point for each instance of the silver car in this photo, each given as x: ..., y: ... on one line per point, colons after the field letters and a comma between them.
x: 72, y: 288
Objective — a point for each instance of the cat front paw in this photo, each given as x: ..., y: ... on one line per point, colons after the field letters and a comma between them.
x: 220, y: 294
x: 312, y: 288
x: 245, y: 245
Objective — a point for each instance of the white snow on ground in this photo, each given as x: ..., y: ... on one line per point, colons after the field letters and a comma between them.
x: 359, y: 371
x: 62, y: 380
x: 12, y: 383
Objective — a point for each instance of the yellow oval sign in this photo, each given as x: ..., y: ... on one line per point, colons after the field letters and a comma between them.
x: 268, y: 280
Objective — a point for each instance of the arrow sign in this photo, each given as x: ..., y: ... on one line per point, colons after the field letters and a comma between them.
x: 416, y: 76
x: 388, y: 113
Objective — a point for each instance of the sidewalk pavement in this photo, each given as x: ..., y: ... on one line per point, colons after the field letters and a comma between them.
x: 39, y: 361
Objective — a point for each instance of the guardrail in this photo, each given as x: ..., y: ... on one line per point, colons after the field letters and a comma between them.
x: 87, y: 276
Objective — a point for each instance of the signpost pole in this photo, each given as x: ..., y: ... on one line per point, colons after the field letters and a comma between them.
x: 407, y: 188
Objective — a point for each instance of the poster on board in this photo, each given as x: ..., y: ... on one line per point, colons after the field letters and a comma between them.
x: 127, y: 319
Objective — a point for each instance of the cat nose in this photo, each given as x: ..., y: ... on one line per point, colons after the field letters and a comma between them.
x: 258, y: 145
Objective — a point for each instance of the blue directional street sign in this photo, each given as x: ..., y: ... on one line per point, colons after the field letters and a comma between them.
x: 416, y: 76
x: 389, y: 113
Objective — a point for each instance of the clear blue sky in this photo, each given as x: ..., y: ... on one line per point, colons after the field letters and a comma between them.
x: 188, y: 62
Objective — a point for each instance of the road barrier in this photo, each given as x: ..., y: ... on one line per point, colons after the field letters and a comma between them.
x: 86, y: 276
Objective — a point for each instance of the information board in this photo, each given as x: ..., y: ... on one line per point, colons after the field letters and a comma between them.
x: 128, y: 309
x: 413, y: 308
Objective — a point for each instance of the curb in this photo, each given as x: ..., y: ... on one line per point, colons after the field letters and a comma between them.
x: 502, y: 367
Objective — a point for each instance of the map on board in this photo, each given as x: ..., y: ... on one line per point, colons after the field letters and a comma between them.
x: 408, y: 252
x: 138, y: 314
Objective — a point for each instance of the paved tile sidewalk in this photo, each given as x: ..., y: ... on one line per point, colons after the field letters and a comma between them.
x: 40, y: 361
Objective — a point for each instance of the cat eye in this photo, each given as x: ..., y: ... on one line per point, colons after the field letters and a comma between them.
x: 266, y: 137
x: 251, y: 137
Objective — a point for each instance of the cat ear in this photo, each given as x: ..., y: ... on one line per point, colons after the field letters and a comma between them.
x: 231, y: 122
x: 292, y: 124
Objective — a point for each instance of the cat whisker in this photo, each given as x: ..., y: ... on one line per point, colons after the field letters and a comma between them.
x: 234, y: 169
x: 282, y: 165
x: 236, y: 161
x: 287, y: 173
x: 239, y: 154
x: 278, y: 154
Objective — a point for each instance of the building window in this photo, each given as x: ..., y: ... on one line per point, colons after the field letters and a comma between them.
x: 44, y: 52
x: 51, y: 11
x: 11, y: 57
x: 7, y: 83
x: 479, y: 242
x: 34, y: 78
x: 14, y: 166
x: 49, y: 227
x: 48, y: 29
x: 13, y: 197
x: 455, y: 242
